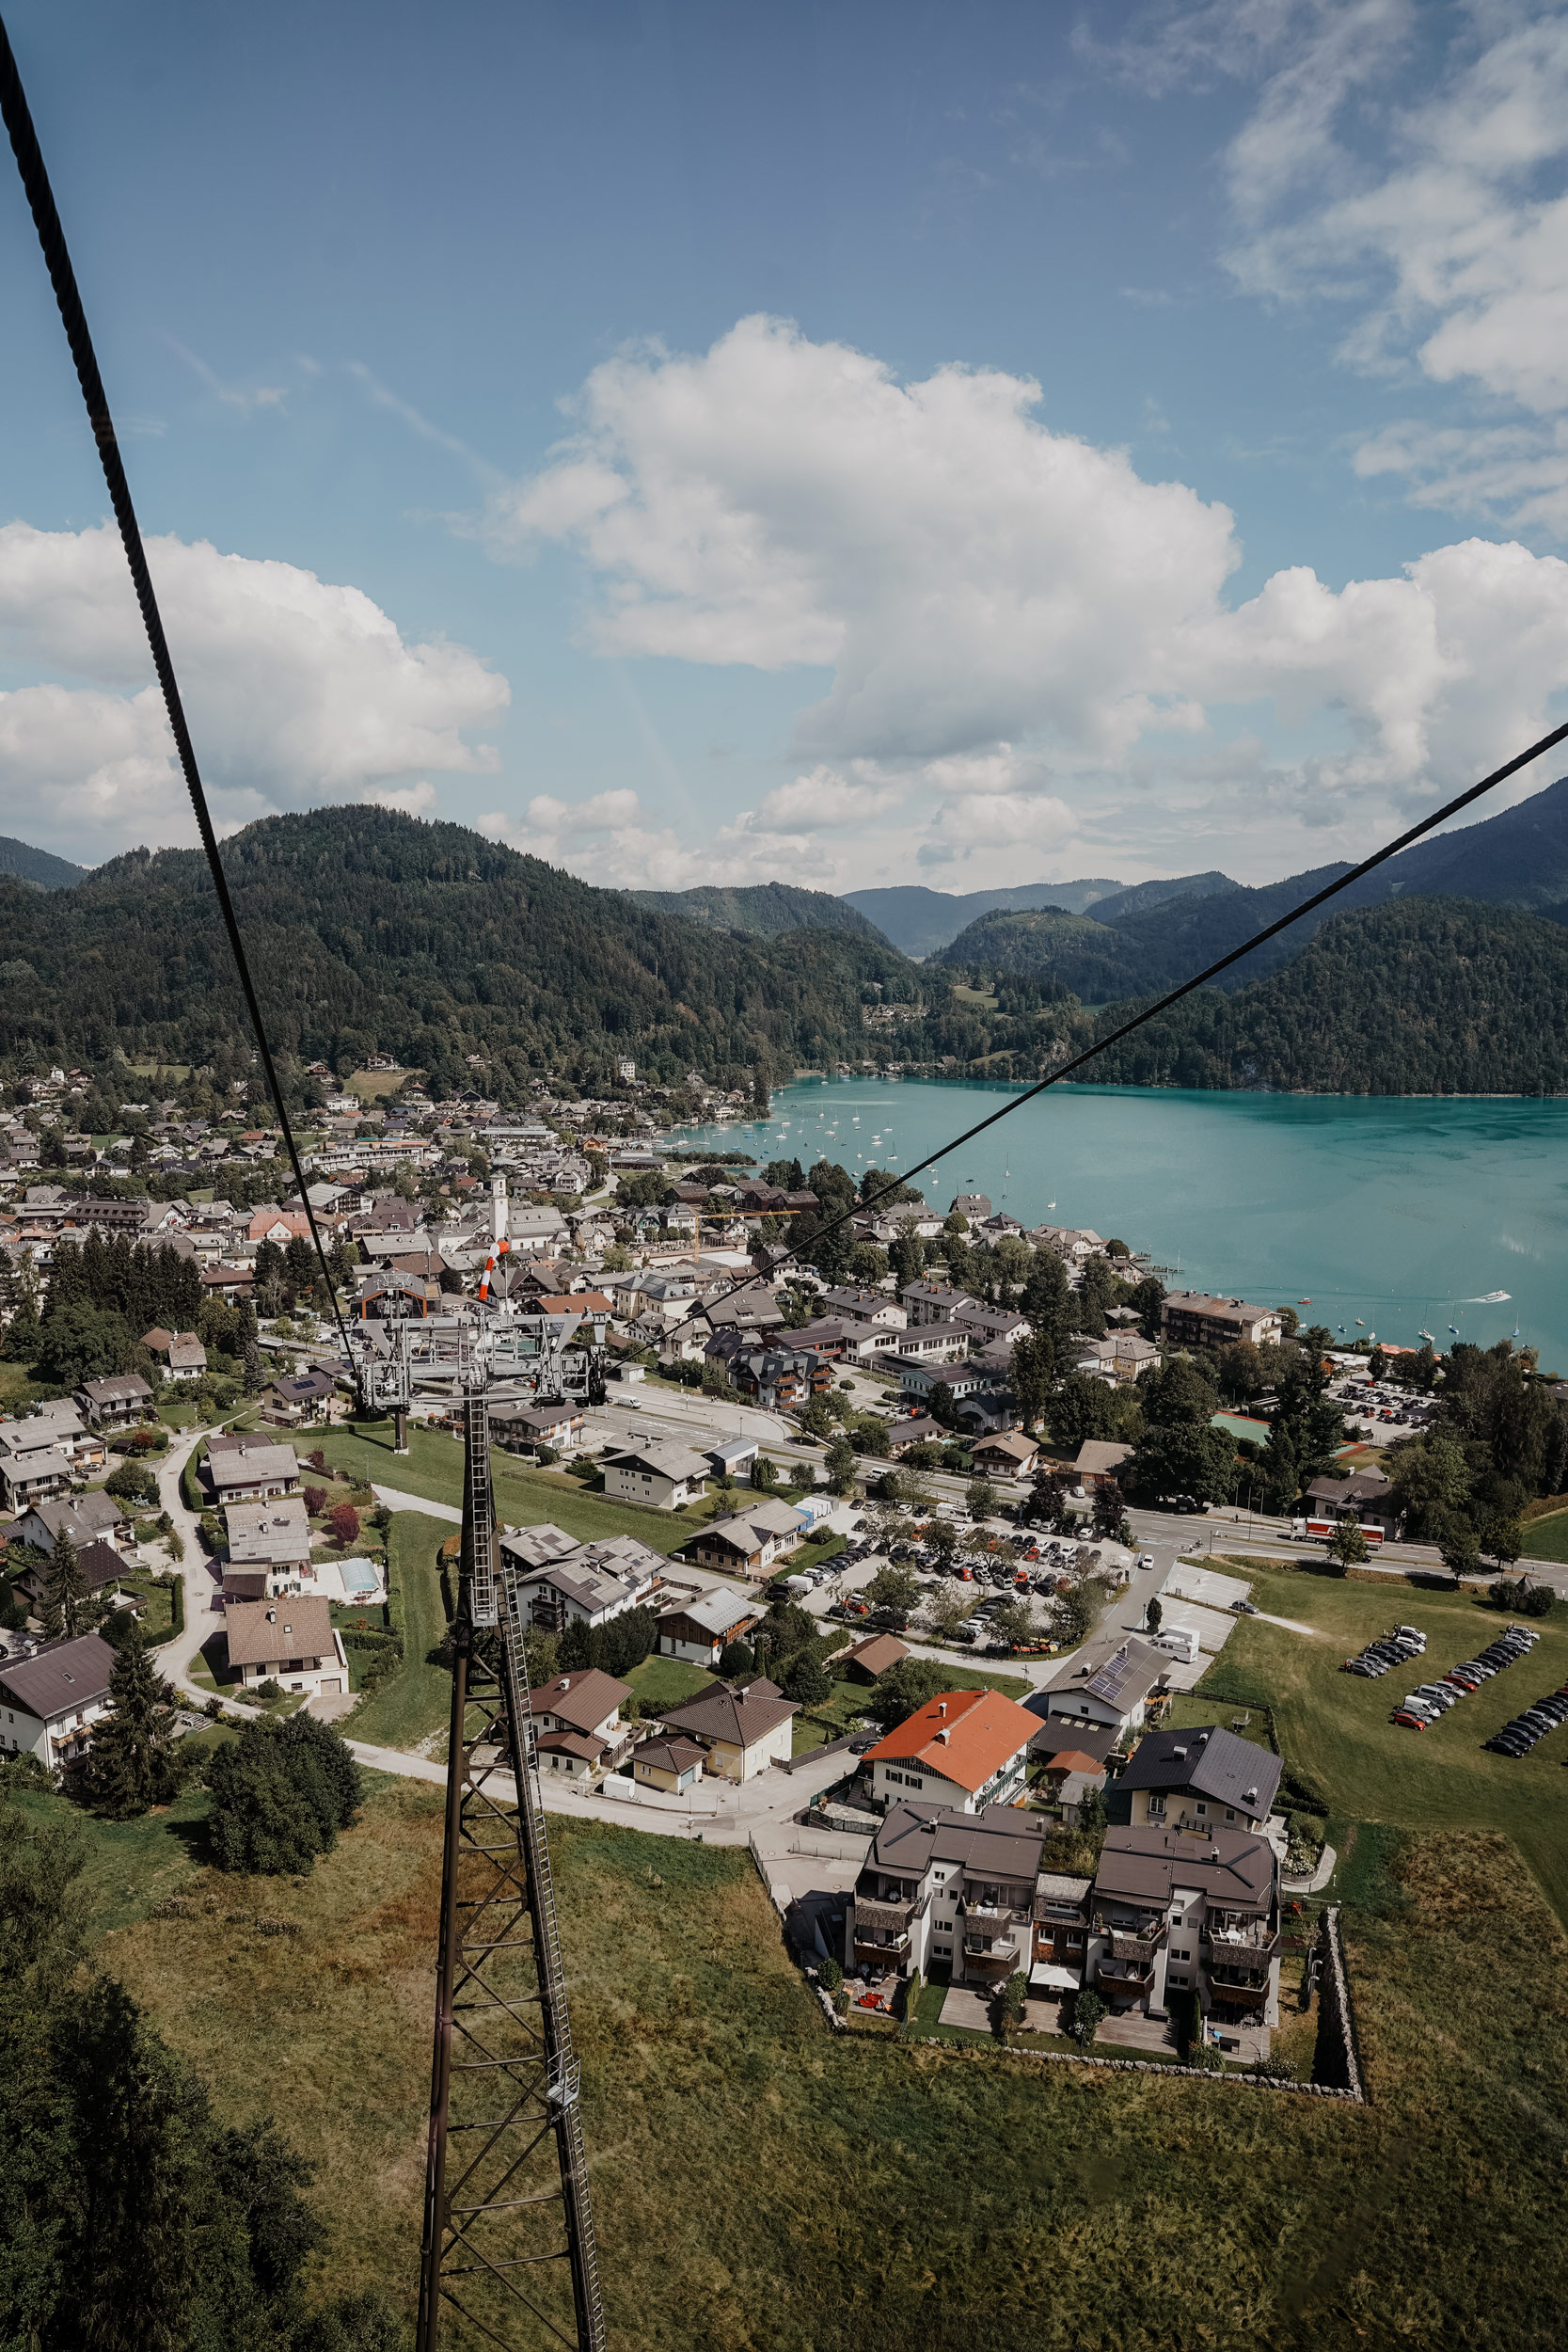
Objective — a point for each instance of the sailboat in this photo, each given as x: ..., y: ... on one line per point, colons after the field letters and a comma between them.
x: 1515, y: 1330
x: 1431, y: 1336
x: 1359, y: 1325
x: 1454, y: 1328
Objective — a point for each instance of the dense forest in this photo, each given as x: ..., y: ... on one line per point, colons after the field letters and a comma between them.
x: 371, y: 932
x: 1422, y: 996
x: 762, y: 909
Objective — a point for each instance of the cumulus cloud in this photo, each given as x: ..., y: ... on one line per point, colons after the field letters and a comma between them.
x: 613, y: 839
x: 1019, y: 626
x: 297, y: 691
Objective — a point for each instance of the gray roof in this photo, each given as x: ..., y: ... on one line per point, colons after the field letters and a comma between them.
x: 80, y: 1517
x: 667, y: 1461
x: 716, y: 1610
x: 259, y: 1461
x: 1117, y: 1673
x: 733, y: 1716
x: 60, y: 1678
x: 1219, y: 1765
x: 264, y: 1532
x: 1228, y: 1867
x: 999, y: 1842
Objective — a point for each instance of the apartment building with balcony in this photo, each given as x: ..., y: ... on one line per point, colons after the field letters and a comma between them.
x: 1174, y: 1911
x: 1200, y: 1779
x: 947, y: 1891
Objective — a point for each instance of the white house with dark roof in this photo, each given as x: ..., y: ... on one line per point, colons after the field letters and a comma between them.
x: 82, y: 1517
x: 269, y: 1548
x: 699, y: 1629
x: 50, y: 1702
x: 662, y: 1476
x: 1107, y: 1683
x: 239, y: 1469
x: 1201, y: 1780
x: 113, y: 1403
x: 288, y: 1641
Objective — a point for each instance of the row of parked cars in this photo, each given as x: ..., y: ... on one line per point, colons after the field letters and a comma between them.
x: 1434, y: 1699
x: 1396, y: 1648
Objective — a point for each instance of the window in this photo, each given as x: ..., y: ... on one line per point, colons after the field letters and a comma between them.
x: 1230, y: 1813
x: 1202, y: 1810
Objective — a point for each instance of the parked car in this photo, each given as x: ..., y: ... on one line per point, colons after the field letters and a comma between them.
x: 1410, y: 1722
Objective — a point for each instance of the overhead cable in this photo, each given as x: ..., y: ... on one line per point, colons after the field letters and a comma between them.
x: 1150, y: 1012
x: 34, y: 182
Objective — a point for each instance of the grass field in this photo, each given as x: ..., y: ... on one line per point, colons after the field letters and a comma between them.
x: 1336, y: 1727
x: 666, y: 1681
x: 418, y: 1699
x: 433, y: 1467
x: 761, y: 2187
x: 1546, y: 1538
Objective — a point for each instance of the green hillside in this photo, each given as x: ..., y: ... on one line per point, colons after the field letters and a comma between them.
x: 919, y: 920
x: 370, y: 932
x: 1421, y: 996
x: 40, y: 866
x: 762, y: 909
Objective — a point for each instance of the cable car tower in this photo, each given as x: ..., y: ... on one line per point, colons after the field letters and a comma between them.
x: 507, y: 2255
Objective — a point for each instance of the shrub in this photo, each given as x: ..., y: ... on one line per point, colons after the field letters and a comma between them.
x: 344, y: 1523
x: 1087, y: 2011
x: 314, y: 1499
x: 830, y: 1975
x: 280, y: 1795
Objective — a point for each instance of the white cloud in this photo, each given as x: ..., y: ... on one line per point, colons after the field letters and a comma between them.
x: 829, y: 799
x: 1435, y: 214
x: 1023, y: 631
x: 297, y: 691
x: 613, y: 840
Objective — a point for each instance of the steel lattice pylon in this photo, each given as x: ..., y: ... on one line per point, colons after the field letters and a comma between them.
x: 507, y: 2256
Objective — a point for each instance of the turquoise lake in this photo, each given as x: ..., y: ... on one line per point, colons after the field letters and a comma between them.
x: 1404, y: 1212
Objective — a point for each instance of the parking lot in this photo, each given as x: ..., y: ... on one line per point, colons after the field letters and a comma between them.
x: 1380, y: 1412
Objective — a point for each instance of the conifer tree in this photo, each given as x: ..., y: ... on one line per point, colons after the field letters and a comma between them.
x: 65, y: 1591
x: 134, y: 1763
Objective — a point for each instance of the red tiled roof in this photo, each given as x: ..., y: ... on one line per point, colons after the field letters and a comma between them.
x: 966, y: 1735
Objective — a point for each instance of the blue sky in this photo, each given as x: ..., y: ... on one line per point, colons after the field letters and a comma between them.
x: 851, y: 445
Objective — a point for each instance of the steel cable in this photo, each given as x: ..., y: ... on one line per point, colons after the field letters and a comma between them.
x: 57, y: 256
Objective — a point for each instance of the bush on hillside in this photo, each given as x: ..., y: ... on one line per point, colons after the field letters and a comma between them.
x: 280, y: 1795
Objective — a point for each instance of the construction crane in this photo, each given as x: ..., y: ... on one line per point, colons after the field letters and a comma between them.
x: 507, y: 2254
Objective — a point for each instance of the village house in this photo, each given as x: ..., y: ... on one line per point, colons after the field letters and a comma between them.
x: 673, y: 1765
x: 1201, y: 1780
x: 288, y: 1641
x: 299, y: 1396
x: 527, y: 1427
x: 115, y: 1403
x: 1106, y: 1684
x: 51, y: 1701
x: 742, y: 1730
x: 566, y: 1583
x: 1098, y: 1461
x: 965, y: 1749
x: 1120, y: 1358
x: 1008, y: 1455
x: 863, y: 1305
x: 83, y: 1518
x: 750, y: 1542
x: 1365, y: 1496
x: 948, y: 1889
x: 1172, y: 1914
x: 33, y: 1464
x: 1193, y: 1319
x: 662, y: 1476
x: 577, y: 1718
x: 269, y: 1548
x: 699, y: 1629
x: 247, y: 1469
x: 181, y: 1352
x: 104, y: 1573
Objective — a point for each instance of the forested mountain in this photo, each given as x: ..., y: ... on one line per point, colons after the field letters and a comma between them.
x: 371, y: 932
x: 1421, y: 996
x: 762, y: 909
x: 37, y: 866
x: 1152, y: 936
x: 920, y: 921
x: 1140, y: 896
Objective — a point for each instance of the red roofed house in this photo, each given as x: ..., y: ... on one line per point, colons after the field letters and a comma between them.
x: 279, y: 1225
x: 967, y: 1749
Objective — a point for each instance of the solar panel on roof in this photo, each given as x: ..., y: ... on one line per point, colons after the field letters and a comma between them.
x: 1107, y: 1684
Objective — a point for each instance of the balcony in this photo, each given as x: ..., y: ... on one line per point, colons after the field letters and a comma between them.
x: 1001, y: 1952
x: 1240, y: 1935
x: 886, y: 1945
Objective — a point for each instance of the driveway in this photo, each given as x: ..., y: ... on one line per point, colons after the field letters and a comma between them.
x: 203, y: 1577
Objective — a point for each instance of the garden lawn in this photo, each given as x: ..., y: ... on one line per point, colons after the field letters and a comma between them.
x: 900, y: 2195
x: 433, y: 1467
x: 666, y: 1681
x: 418, y: 1699
x: 1336, y: 1727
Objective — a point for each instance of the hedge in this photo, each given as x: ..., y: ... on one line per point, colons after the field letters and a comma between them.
x: 177, y: 1614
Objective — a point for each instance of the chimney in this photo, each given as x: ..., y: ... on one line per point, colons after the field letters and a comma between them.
x: 1203, y: 1738
x: 566, y: 1682
x: 1180, y: 1752
x: 941, y: 1707
x: 944, y: 1737
x: 272, y: 1616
